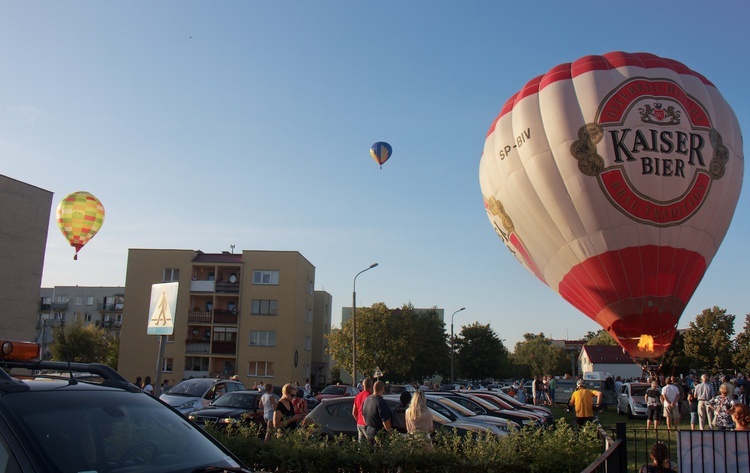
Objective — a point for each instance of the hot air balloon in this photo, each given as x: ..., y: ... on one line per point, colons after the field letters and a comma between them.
x: 79, y: 215
x: 614, y: 179
x: 380, y: 152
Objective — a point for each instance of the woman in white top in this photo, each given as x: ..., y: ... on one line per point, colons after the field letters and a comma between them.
x: 419, y: 419
x: 268, y: 401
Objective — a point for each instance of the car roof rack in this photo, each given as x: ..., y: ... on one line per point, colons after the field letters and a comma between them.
x: 108, y: 375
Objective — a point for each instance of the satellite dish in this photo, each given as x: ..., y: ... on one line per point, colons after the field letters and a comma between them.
x: 233, y: 278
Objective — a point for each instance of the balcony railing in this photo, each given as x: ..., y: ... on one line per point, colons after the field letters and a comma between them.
x: 225, y: 316
x: 226, y: 286
x: 110, y: 307
x: 59, y: 306
x: 202, y: 286
x: 199, y: 317
x: 224, y: 348
x: 193, y: 346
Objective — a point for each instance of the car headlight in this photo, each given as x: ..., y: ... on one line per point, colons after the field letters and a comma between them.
x: 227, y: 420
x: 187, y: 405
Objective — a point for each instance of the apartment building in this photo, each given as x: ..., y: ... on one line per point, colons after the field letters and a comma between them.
x: 100, y: 306
x: 250, y: 314
x: 24, y: 220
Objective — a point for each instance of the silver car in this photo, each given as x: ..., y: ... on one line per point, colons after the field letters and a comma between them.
x: 631, y: 400
x: 196, y: 393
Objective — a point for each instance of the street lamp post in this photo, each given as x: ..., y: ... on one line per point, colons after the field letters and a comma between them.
x: 452, y: 348
x: 354, y: 324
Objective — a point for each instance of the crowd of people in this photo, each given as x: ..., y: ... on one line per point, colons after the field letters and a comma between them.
x: 718, y: 403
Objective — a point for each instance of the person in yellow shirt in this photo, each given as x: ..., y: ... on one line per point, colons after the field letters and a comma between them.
x: 582, y: 401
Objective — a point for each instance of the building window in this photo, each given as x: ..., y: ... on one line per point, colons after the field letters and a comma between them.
x: 263, y: 338
x: 309, y: 315
x: 167, y: 365
x: 263, y: 307
x: 308, y: 343
x: 60, y: 316
x: 89, y: 300
x: 263, y: 369
x: 87, y: 317
x: 196, y: 363
x: 171, y: 275
x: 310, y: 287
x: 265, y: 277
x: 79, y: 300
x: 61, y: 299
x: 225, y: 334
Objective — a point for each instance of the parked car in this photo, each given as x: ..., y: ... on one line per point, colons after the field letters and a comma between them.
x: 231, y: 408
x: 399, y: 388
x: 510, y: 401
x: 98, y: 422
x: 631, y: 400
x: 453, y: 411
x: 196, y: 393
x: 483, y: 407
x: 333, y: 417
x: 337, y: 390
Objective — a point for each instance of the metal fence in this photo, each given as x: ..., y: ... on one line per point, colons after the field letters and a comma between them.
x: 707, y: 451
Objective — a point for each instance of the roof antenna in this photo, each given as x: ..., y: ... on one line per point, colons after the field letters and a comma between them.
x: 232, y: 247
x: 66, y: 351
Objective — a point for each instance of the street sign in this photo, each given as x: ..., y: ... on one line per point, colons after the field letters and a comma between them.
x: 162, y: 308
x: 377, y: 373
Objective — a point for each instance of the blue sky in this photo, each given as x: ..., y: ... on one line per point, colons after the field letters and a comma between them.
x: 202, y: 125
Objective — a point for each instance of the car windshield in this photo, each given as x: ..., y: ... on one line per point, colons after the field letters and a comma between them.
x: 109, y: 431
x: 191, y: 387
x: 636, y: 391
x: 456, y: 407
x: 338, y: 390
x: 237, y: 400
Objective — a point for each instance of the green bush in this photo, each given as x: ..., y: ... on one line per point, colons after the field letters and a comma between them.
x: 559, y: 449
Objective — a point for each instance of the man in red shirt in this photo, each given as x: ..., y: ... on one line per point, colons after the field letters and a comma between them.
x: 357, y: 409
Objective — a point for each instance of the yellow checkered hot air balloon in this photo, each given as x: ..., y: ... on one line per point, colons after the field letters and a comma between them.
x: 80, y: 215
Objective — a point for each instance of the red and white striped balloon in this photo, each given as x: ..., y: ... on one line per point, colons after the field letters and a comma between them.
x: 614, y: 179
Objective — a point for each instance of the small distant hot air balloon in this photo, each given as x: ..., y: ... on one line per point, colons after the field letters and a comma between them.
x: 380, y: 152
x: 613, y: 179
x: 80, y: 215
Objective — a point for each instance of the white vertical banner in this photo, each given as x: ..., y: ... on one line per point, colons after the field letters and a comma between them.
x: 162, y: 309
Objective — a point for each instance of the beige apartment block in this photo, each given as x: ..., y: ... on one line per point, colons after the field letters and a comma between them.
x: 250, y: 314
x: 24, y: 220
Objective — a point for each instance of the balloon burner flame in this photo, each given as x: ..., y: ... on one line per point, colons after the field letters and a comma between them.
x: 646, y: 343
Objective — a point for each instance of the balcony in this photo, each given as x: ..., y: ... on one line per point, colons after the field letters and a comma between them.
x: 59, y: 306
x: 201, y: 286
x: 228, y: 287
x: 225, y: 316
x: 224, y: 348
x: 45, y: 307
x: 197, y: 346
x: 199, y: 317
x: 110, y: 307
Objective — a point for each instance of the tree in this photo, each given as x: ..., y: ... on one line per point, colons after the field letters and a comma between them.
x: 480, y: 353
x: 708, y: 340
x: 675, y: 361
x: 742, y: 345
x: 602, y: 337
x: 536, y: 356
x: 84, y: 344
x: 403, y: 343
